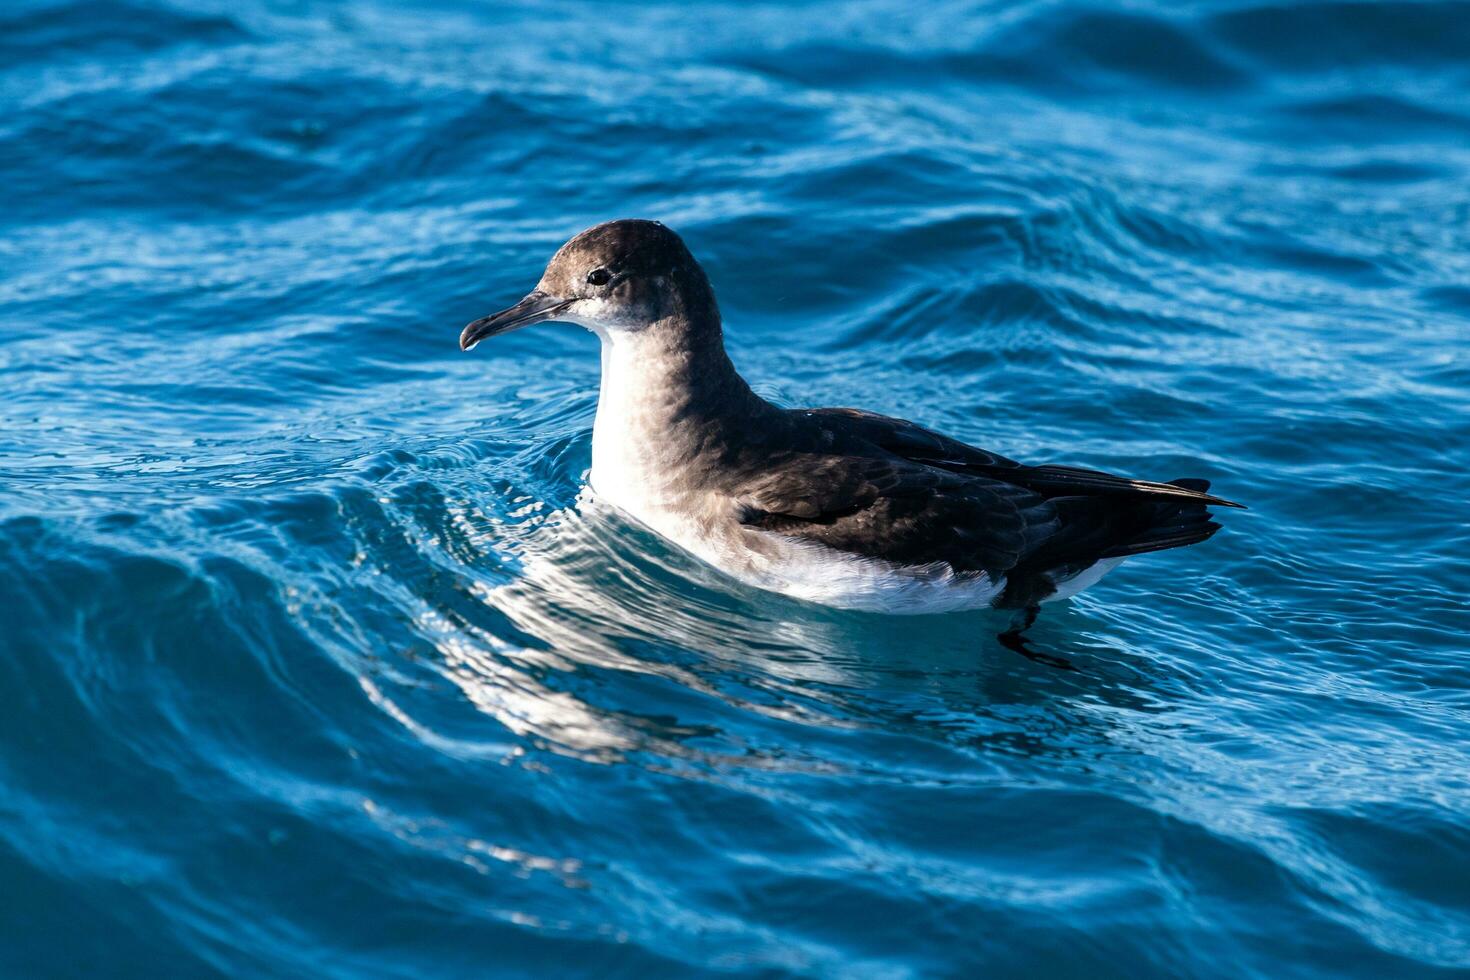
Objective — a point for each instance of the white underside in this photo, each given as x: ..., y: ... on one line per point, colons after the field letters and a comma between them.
x: 628, y: 473
x: 824, y: 575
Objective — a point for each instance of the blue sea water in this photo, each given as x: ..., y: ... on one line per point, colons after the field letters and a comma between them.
x: 315, y: 661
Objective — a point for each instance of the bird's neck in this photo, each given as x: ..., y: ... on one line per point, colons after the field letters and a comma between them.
x: 670, y: 400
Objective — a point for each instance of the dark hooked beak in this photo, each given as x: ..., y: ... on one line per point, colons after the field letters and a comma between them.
x: 537, y: 306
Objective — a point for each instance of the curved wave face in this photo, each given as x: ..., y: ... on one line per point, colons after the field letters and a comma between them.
x: 317, y: 660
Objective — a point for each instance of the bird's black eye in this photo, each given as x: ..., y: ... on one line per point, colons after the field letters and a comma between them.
x: 599, y: 277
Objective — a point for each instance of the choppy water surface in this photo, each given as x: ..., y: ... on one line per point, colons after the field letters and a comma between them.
x: 316, y: 663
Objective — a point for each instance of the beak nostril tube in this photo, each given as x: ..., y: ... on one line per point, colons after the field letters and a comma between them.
x: 537, y: 306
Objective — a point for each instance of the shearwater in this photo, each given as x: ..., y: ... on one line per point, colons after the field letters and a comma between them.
x: 833, y: 505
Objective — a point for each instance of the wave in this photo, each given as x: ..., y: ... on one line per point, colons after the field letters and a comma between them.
x: 318, y: 658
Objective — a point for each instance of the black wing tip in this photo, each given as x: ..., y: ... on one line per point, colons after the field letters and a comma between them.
x: 1214, y: 501
x: 1199, y: 489
x: 1096, y: 480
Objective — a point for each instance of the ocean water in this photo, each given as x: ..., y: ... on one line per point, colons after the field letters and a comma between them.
x: 317, y: 661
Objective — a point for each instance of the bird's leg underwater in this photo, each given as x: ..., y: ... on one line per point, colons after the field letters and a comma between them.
x: 1012, y: 639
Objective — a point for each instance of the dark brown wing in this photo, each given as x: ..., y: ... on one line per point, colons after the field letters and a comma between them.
x: 921, y: 445
x: 885, y: 488
x: 900, y: 511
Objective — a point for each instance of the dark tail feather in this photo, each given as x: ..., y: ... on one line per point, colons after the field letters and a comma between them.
x: 1066, y: 479
x: 1162, y: 539
x: 1172, y: 525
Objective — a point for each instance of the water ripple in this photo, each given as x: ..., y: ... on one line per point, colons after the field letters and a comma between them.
x: 318, y: 658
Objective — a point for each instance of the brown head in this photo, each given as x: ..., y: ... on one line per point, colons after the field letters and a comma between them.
x: 620, y: 276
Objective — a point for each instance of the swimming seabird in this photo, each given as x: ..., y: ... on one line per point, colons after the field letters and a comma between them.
x: 834, y: 505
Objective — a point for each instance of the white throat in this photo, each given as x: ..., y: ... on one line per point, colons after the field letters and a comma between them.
x: 629, y: 434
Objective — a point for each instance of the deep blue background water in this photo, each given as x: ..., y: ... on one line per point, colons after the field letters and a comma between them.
x: 313, y: 663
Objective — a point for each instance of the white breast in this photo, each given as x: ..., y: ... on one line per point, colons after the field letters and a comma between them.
x: 626, y: 470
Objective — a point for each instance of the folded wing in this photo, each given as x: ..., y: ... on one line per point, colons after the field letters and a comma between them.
x: 884, y: 488
x: 901, y: 511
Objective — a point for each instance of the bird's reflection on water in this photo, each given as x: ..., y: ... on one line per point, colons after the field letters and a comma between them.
x: 597, y: 641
